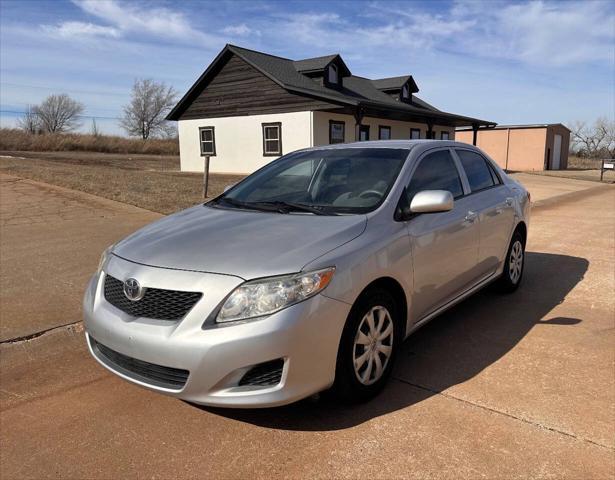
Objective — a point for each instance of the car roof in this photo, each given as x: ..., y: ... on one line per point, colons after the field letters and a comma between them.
x: 406, y: 144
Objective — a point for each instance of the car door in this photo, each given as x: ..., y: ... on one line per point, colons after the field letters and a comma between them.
x: 493, y: 202
x: 444, y: 245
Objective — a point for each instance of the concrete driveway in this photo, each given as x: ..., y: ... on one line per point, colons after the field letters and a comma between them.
x: 498, y: 387
x: 51, y: 240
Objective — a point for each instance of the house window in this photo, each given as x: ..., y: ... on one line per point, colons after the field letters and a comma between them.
x: 415, y: 133
x: 444, y: 136
x: 208, y: 141
x: 333, y: 78
x: 272, y: 139
x: 384, y: 133
x: 337, y: 131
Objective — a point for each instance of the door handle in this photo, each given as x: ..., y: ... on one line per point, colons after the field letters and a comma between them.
x: 470, y: 216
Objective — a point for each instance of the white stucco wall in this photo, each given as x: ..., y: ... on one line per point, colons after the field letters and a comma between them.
x: 399, y: 130
x: 239, y: 141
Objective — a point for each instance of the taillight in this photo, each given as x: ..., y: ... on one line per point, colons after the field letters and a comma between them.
x: 529, y: 197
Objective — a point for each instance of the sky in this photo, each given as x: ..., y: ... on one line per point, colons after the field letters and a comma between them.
x: 507, y: 62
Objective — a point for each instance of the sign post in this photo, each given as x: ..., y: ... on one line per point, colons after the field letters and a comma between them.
x: 606, y: 165
x: 206, y: 176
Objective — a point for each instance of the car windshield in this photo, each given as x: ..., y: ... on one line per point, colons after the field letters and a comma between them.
x: 326, y: 182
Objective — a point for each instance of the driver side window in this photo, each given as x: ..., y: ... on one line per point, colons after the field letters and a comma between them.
x: 436, y: 171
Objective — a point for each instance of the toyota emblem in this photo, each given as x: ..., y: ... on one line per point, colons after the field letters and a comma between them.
x: 133, y: 290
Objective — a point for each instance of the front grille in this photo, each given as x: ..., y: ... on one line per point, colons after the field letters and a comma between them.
x: 156, y: 303
x: 157, y: 375
x: 264, y: 374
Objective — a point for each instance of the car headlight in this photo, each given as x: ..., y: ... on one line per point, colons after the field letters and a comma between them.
x: 103, y: 258
x: 265, y: 296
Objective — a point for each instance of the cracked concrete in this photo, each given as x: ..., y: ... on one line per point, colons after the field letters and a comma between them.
x: 518, y: 386
x: 50, y: 241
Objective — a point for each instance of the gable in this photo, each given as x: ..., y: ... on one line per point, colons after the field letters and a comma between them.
x: 237, y: 88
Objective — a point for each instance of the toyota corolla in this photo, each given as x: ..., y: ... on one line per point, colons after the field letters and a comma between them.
x: 308, y: 274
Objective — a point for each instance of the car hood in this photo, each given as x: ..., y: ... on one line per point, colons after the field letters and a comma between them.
x: 247, y: 244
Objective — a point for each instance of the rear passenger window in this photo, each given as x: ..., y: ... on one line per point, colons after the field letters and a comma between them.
x: 437, y: 171
x: 494, y: 175
x: 478, y: 172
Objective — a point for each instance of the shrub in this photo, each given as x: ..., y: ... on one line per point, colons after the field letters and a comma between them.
x: 14, y: 139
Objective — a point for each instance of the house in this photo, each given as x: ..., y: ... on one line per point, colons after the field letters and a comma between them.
x: 523, y: 147
x: 249, y: 108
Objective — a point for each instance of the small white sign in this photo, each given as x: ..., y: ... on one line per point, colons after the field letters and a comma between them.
x: 609, y: 166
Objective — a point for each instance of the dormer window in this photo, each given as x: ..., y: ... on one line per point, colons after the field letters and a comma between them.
x: 332, y: 74
x: 405, y: 92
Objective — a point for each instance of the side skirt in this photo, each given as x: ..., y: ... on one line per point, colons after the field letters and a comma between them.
x: 425, y: 320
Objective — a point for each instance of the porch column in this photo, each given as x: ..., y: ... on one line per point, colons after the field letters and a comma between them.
x: 358, y: 118
x: 429, y: 131
x: 474, y: 133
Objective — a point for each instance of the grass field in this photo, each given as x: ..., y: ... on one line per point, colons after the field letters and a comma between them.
x: 151, y: 182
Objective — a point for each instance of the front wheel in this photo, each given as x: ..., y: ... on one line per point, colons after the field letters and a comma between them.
x: 513, y: 265
x: 368, y: 347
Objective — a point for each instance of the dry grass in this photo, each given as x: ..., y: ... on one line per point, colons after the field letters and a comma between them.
x: 116, y: 160
x: 580, y: 168
x: 13, y: 139
x: 581, y: 163
x: 149, y: 182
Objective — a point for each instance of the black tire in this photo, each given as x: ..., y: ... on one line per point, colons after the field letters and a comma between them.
x: 511, y: 278
x: 347, y: 386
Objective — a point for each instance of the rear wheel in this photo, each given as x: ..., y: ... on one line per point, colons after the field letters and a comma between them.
x: 511, y: 277
x: 368, y: 347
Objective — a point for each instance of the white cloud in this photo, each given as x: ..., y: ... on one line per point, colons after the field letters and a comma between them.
x: 240, y: 30
x: 540, y: 33
x: 81, y: 29
x: 534, y: 33
x: 160, y: 22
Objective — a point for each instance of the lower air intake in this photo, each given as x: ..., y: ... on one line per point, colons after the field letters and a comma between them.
x: 266, y: 374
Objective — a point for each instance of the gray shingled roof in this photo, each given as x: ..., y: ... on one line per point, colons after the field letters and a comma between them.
x: 354, y: 92
x: 391, y: 82
x: 316, y: 63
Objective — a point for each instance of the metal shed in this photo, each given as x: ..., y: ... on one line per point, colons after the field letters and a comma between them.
x: 523, y: 147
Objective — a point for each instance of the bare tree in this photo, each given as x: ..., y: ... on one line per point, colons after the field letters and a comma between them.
x: 593, y: 141
x: 29, y: 123
x: 606, y: 130
x: 145, y: 115
x: 59, y: 113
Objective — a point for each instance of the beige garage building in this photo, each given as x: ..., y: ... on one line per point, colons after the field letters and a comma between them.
x: 522, y: 147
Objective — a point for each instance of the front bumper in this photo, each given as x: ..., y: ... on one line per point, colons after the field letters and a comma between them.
x: 305, y: 336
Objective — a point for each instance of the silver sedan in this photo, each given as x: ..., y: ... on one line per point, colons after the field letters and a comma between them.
x: 308, y: 274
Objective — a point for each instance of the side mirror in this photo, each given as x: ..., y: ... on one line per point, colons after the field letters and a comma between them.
x: 432, y: 201
x: 228, y: 187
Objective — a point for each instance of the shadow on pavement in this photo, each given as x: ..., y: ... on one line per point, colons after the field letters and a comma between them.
x: 450, y: 350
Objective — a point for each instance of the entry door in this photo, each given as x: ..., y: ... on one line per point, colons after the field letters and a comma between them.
x: 557, y: 152
x: 444, y: 245
x: 363, y: 133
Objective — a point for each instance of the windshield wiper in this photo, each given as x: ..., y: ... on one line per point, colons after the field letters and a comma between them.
x: 274, y: 206
x: 302, y: 207
x: 248, y: 205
